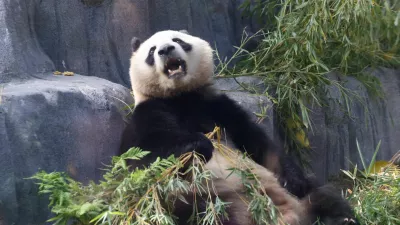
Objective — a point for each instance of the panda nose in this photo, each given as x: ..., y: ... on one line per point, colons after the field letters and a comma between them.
x: 165, y: 50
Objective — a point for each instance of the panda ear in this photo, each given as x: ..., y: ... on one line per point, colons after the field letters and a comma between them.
x: 135, y: 44
x: 184, y: 31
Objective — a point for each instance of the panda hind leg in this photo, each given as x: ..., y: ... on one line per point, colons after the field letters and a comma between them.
x: 289, y: 206
x: 236, y: 211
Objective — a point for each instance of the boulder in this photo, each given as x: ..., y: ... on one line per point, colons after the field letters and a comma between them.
x: 250, y: 84
x: 56, y: 123
x: 258, y: 107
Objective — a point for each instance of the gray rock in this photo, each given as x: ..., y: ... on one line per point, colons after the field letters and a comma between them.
x: 92, y: 37
x: 95, y: 40
x: 335, y: 133
x: 258, y: 107
x: 56, y: 123
x: 20, y: 53
x: 250, y: 84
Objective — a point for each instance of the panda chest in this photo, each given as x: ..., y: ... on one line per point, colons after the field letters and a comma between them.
x: 200, y: 122
x: 196, y: 117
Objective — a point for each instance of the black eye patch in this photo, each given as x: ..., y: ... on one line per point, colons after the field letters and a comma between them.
x: 150, y: 57
x: 185, y: 46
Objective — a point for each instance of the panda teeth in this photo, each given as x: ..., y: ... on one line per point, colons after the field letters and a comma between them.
x: 171, y: 71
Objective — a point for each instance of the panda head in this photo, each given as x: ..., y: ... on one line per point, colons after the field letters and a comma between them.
x: 169, y: 62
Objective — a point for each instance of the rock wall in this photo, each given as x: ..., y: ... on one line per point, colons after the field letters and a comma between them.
x: 335, y: 133
x: 95, y: 40
x: 92, y: 37
x: 20, y: 53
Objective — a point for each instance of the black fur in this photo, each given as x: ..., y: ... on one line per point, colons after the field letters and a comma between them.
x: 150, y: 57
x: 293, y: 179
x: 176, y: 125
x: 185, y: 46
x: 327, y: 203
x: 135, y: 44
x: 164, y: 127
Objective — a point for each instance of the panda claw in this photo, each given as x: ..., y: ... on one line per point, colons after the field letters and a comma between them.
x: 349, y: 221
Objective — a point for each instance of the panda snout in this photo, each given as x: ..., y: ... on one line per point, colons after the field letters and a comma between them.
x: 166, y: 50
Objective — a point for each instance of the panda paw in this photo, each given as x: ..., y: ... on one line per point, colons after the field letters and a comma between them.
x: 202, y: 145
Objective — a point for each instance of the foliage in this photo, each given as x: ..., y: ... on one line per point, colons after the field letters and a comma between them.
x: 147, y: 195
x: 307, y: 41
x: 376, y: 194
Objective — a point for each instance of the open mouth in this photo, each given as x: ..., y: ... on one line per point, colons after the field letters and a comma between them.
x: 175, y: 67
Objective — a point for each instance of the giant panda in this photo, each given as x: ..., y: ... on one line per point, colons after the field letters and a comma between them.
x: 175, y: 105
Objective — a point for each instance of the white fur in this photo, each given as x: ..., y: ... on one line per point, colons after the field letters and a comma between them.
x: 230, y: 189
x: 149, y: 81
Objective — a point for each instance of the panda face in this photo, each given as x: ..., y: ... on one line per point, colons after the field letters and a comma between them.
x: 170, y: 62
x: 169, y: 57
